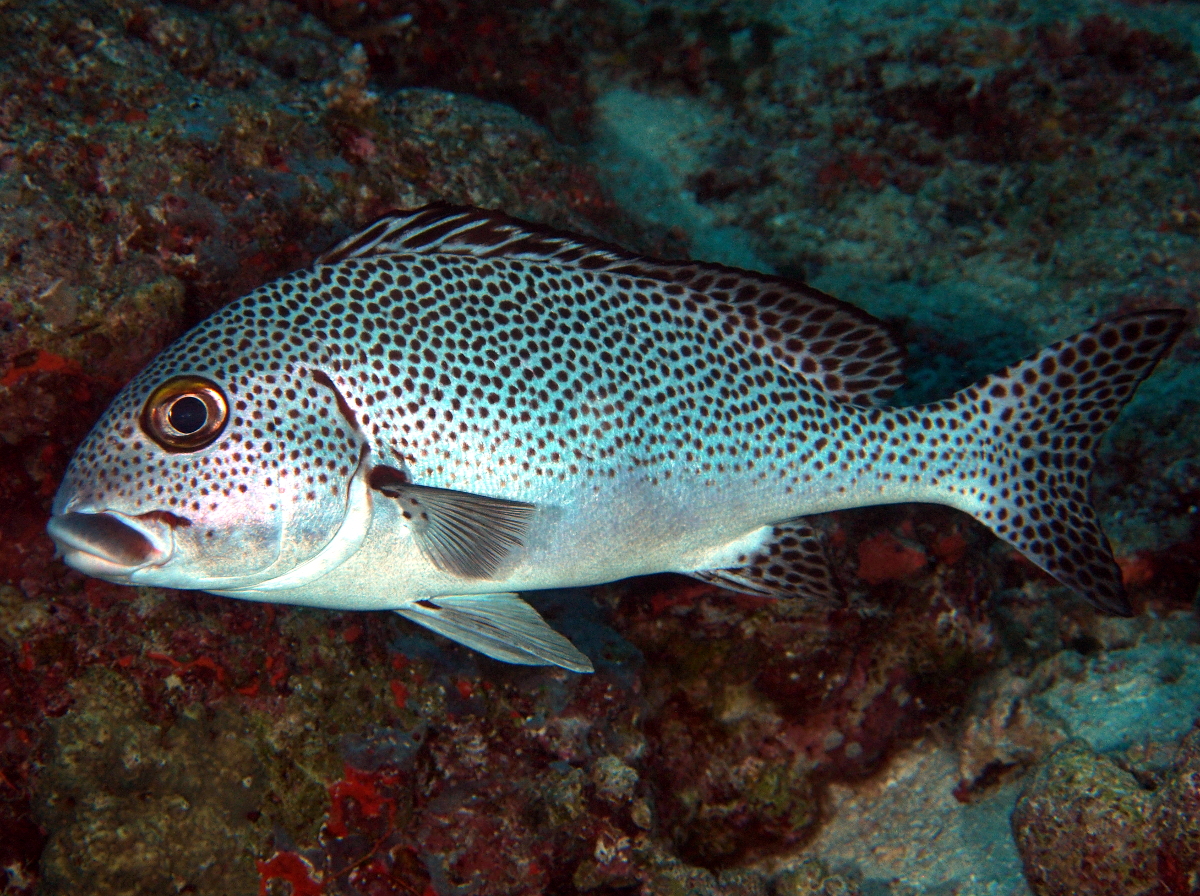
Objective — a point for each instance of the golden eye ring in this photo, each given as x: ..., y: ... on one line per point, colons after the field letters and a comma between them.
x: 186, y: 413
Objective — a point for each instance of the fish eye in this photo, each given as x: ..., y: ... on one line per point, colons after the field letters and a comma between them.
x: 185, y: 413
x: 188, y: 414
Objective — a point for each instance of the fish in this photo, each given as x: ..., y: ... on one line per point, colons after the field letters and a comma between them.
x: 453, y: 406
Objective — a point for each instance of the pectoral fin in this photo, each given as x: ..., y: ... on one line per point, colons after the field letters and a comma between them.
x: 791, y: 562
x: 461, y: 533
x: 501, y: 626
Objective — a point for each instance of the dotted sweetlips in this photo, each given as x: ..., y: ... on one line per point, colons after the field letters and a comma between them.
x: 453, y: 406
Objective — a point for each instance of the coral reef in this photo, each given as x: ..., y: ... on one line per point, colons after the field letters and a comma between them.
x: 985, y: 177
x: 199, y: 171
x: 1085, y: 821
x: 156, y: 162
x: 789, y: 700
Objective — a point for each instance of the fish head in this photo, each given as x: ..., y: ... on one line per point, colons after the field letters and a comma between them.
x: 224, y: 475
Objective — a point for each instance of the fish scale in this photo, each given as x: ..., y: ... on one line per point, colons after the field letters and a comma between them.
x: 453, y: 406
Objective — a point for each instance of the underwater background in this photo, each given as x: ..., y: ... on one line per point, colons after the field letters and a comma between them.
x: 985, y: 177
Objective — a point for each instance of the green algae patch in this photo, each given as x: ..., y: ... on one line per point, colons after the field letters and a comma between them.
x: 812, y: 877
x: 302, y: 740
x: 1083, y: 823
x: 136, y: 807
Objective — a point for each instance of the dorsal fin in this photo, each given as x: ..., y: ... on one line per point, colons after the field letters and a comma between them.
x: 442, y: 228
x: 836, y: 347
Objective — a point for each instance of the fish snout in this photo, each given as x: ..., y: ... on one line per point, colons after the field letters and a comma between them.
x: 111, y: 545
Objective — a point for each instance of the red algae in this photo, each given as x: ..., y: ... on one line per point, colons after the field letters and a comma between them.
x: 791, y: 700
x: 883, y: 558
x: 292, y: 868
x: 363, y: 789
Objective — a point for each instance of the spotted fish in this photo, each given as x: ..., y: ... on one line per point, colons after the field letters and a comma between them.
x: 454, y: 406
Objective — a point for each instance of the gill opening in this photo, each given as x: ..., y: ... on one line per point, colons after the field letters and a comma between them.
x: 343, y: 406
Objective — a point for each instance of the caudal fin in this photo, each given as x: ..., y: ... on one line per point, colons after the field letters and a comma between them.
x: 1031, y: 432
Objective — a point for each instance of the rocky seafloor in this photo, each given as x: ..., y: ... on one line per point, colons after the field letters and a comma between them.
x: 985, y: 177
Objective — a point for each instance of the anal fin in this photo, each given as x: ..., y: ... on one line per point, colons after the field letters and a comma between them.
x: 501, y: 626
x: 791, y: 562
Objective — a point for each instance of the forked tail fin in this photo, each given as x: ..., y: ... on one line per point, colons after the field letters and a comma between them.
x: 1029, y: 442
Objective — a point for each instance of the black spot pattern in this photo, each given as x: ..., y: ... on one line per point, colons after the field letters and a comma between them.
x: 543, y: 372
x: 286, y: 438
x: 535, y: 371
x: 1016, y: 450
x: 451, y: 363
x: 471, y: 352
x: 837, y: 347
x: 1033, y: 431
x: 793, y: 562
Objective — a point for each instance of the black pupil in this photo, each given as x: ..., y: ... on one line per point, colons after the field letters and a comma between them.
x: 188, y: 414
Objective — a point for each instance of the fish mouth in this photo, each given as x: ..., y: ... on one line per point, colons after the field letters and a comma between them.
x: 111, y: 545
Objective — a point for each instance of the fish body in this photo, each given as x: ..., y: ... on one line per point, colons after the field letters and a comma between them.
x: 453, y: 406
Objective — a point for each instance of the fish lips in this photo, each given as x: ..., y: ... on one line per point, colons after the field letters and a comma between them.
x: 111, y: 545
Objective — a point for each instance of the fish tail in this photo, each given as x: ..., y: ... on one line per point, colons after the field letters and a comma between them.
x: 1029, y: 437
